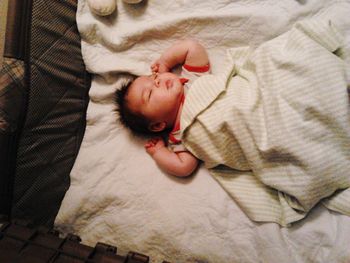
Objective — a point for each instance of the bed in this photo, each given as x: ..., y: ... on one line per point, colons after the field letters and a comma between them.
x: 117, y: 195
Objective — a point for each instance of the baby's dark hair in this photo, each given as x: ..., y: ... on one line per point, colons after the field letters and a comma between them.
x: 136, y: 122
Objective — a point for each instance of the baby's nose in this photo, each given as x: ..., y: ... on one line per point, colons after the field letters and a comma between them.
x: 157, y: 82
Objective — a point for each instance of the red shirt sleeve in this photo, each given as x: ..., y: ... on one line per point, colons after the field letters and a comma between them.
x: 200, y: 69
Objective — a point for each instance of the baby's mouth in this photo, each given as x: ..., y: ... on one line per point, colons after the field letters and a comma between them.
x: 169, y: 83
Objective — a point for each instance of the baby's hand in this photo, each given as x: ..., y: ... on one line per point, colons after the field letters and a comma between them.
x: 153, y: 145
x: 159, y: 67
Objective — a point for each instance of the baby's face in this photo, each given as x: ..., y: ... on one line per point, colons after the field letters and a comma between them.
x: 157, y: 96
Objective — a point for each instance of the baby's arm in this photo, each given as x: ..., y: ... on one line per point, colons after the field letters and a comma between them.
x: 188, y: 52
x: 178, y: 164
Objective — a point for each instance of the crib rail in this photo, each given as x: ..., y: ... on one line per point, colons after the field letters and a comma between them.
x: 22, y: 243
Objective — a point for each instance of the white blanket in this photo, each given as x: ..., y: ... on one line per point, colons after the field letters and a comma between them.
x: 119, y: 196
x: 284, y: 120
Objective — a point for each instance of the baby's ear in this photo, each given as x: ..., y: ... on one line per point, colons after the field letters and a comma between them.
x: 157, y: 126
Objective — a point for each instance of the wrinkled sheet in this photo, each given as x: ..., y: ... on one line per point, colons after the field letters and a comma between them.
x: 119, y: 196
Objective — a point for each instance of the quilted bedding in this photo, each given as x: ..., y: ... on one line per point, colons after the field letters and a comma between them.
x: 119, y: 196
x: 43, y: 100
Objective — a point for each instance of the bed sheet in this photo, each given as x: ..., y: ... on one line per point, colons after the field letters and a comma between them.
x: 119, y: 196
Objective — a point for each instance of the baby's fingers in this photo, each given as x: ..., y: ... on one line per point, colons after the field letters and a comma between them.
x: 155, y: 67
x: 149, y: 144
x: 162, y: 68
x: 152, y: 142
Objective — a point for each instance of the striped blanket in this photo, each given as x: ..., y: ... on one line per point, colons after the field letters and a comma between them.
x: 274, y: 127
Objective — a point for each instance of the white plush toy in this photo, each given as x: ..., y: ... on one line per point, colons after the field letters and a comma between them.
x: 106, y: 7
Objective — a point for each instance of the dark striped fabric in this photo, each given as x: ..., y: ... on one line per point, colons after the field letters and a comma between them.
x: 54, y: 125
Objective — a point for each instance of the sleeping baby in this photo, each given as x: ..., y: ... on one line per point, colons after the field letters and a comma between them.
x: 153, y: 104
x: 273, y: 127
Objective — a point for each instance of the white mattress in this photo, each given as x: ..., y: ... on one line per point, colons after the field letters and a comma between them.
x: 119, y: 196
